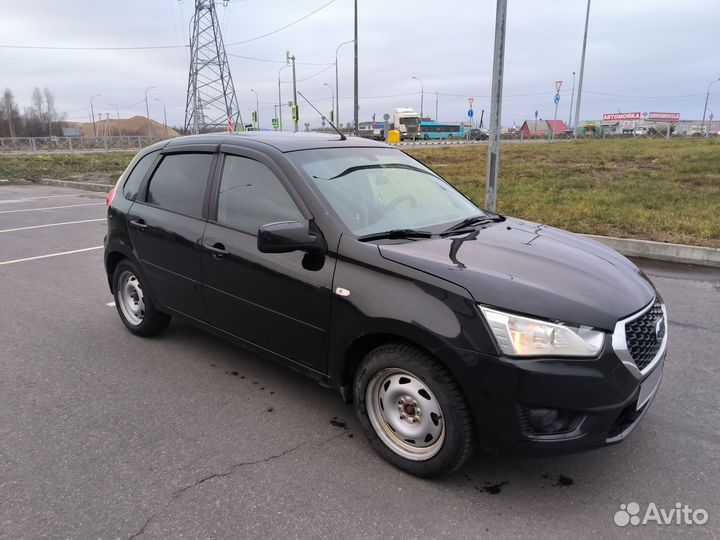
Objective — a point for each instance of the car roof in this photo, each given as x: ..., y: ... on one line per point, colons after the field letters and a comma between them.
x: 282, y: 141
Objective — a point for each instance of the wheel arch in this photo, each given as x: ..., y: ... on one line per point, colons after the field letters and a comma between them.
x: 363, y: 344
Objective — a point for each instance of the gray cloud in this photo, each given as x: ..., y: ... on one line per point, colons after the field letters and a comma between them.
x: 639, y: 48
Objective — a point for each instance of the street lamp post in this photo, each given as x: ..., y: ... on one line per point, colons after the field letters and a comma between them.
x: 422, y: 95
x: 356, y: 106
x: 147, y: 110
x: 257, y: 109
x: 332, y: 96
x: 92, y: 113
x: 167, y: 134
x: 436, y: 105
x: 582, y: 72
x: 572, y: 98
x: 117, y: 113
x: 280, y: 97
x: 337, y: 88
x: 707, y: 97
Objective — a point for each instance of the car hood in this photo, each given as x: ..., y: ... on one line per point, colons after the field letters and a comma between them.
x: 533, y: 269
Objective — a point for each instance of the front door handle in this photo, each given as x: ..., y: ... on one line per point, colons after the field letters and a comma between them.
x: 218, y: 249
x: 138, y: 224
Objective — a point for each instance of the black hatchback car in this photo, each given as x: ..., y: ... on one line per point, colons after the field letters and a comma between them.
x: 449, y: 327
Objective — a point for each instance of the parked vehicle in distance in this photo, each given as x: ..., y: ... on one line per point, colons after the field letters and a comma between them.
x: 406, y: 121
x: 479, y: 134
x: 437, y: 130
x: 450, y: 327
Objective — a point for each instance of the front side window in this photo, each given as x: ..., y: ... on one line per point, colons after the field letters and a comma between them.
x: 252, y: 196
x: 179, y: 183
x: 375, y: 190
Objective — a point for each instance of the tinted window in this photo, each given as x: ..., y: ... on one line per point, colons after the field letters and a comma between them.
x: 179, y: 183
x: 252, y: 196
x: 132, y: 184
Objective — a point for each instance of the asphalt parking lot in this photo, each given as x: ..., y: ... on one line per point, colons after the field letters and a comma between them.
x: 105, y: 435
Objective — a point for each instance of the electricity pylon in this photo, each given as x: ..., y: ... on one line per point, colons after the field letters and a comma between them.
x: 211, y: 101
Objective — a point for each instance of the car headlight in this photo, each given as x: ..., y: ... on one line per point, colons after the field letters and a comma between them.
x: 523, y: 336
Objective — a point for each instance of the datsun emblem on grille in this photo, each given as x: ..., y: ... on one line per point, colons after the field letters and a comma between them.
x: 659, y: 328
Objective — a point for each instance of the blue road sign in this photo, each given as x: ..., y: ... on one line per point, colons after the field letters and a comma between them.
x: 470, y: 113
x: 557, y: 98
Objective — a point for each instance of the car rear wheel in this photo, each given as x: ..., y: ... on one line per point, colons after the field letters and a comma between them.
x: 412, y: 410
x: 134, y: 307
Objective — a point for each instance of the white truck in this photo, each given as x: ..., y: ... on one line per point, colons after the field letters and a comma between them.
x: 407, y: 121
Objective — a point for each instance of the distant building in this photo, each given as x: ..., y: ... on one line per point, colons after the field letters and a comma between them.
x: 542, y: 128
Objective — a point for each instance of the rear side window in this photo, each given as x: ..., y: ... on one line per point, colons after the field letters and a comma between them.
x: 252, y: 196
x: 132, y: 184
x: 179, y: 183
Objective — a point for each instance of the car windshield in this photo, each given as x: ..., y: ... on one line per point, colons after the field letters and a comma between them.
x: 410, y: 121
x: 373, y: 190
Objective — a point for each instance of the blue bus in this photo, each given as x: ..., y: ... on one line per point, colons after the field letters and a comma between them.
x: 436, y: 130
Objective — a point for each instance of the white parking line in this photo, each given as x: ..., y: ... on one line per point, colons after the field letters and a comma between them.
x: 50, y: 208
x: 23, y: 199
x: 50, y: 255
x: 50, y: 225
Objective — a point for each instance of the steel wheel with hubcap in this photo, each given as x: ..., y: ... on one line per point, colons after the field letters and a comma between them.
x: 131, y: 299
x: 405, y: 414
x: 411, y: 409
x: 133, y: 303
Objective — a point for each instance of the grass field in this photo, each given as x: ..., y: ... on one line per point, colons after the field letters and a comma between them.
x: 102, y: 167
x: 635, y: 188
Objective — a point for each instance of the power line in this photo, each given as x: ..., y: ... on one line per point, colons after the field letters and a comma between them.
x: 280, y: 61
x: 282, y: 28
x: 155, y: 47
x: 644, y: 97
x: 55, y: 48
x: 311, y: 76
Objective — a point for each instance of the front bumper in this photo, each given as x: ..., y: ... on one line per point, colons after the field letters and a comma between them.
x: 560, y: 405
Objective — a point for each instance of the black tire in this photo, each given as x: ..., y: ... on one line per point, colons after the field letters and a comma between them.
x: 149, y: 321
x: 457, y: 441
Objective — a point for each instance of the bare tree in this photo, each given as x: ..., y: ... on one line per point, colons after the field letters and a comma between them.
x: 50, y: 111
x: 9, y: 114
x: 34, y: 115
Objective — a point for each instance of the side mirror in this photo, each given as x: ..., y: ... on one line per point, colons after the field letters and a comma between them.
x: 288, y: 236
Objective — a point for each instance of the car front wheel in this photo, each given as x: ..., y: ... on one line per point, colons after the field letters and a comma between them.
x: 412, y: 410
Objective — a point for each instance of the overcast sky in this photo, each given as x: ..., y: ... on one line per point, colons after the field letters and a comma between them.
x: 639, y: 52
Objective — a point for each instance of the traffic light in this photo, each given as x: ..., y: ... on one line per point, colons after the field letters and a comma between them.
x: 332, y: 117
x: 254, y: 116
x: 294, y: 113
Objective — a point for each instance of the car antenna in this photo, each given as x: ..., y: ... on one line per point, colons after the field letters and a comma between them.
x: 342, y: 136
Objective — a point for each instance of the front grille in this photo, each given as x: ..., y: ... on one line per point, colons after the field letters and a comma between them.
x: 645, y: 334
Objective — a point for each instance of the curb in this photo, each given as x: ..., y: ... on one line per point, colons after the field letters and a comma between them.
x: 87, y: 186
x: 661, y: 251
x: 645, y: 249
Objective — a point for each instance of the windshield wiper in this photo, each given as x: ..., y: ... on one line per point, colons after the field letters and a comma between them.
x: 473, y: 220
x: 395, y: 233
x: 377, y: 166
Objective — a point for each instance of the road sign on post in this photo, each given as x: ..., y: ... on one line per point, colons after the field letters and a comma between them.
x: 275, y: 123
x: 556, y: 99
x: 470, y: 113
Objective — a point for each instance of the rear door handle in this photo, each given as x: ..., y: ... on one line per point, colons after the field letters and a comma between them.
x: 138, y: 224
x: 218, y: 249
